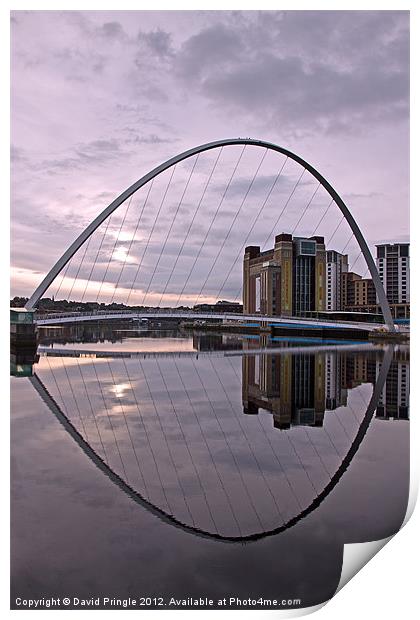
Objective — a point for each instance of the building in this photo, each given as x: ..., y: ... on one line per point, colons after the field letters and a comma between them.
x: 337, y: 264
x: 364, y: 293
x: 287, y: 280
x: 358, y: 294
x: 22, y: 327
x: 393, y: 263
x: 348, y: 295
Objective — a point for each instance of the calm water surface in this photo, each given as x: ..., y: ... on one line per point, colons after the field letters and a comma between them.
x: 165, y: 464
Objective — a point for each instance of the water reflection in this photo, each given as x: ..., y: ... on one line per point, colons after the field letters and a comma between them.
x: 299, y: 388
x: 224, y: 438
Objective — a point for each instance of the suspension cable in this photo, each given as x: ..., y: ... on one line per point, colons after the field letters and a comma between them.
x: 63, y: 276
x: 114, y: 246
x: 132, y: 240
x: 231, y: 225
x: 240, y: 380
x: 151, y: 233
x: 191, y: 223
x: 92, y: 411
x: 238, y: 418
x: 186, y: 443
x: 345, y: 247
x: 284, y: 207
x: 306, y: 208
x: 80, y: 265
x: 252, y: 227
x: 75, y: 400
x: 335, y: 230
x: 193, y: 408
x: 269, y: 236
x: 356, y: 261
x: 211, y: 224
x: 239, y: 422
x: 109, y: 418
x: 294, y: 449
x: 129, y: 433
x: 97, y: 255
x: 229, y: 448
x: 165, y: 440
x: 147, y: 438
x: 323, y: 216
x: 170, y: 229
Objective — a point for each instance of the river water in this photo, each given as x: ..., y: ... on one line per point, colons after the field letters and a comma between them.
x: 163, y: 467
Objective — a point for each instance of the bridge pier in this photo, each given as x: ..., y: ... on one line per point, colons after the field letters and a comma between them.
x: 265, y: 327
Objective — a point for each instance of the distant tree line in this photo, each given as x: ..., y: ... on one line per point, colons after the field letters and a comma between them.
x: 47, y: 304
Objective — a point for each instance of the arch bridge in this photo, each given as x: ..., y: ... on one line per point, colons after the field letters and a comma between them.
x: 123, y: 254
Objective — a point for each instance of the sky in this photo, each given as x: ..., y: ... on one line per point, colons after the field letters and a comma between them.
x: 100, y: 98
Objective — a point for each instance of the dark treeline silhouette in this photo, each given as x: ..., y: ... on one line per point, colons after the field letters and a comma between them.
x: 47, y: 304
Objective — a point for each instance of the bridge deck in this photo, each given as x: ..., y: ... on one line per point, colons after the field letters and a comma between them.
x: 289, y: 322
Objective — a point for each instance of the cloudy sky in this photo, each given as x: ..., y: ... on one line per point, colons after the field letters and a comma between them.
x: 99, y: 98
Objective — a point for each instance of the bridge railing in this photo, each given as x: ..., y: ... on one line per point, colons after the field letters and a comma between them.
x: 115, y: 314
x: 56, y: 315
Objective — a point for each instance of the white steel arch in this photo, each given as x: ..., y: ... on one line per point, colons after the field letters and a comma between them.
x: 90, y: 229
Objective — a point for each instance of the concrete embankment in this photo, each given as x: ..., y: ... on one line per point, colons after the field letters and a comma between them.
x: 322, y: 333
x: 299, y: 331
x: 390, y: 337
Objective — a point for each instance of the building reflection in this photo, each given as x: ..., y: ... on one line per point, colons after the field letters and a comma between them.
x: 100, y: 333
x: 297, y: 389
x: 22, y: 360
x: 216, y: 342
x: 336, y: 390
x: 291, y: 387
x: 394, y: 399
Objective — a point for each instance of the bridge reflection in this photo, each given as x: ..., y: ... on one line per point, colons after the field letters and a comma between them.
x: 230, y: 444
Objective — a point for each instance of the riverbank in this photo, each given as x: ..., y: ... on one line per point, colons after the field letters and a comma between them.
x: 299, y: 331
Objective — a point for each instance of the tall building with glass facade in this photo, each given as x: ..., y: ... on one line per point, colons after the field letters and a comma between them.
x: 287, y: 280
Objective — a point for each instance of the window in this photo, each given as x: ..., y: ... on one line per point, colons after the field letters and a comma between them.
x: 308, y: 248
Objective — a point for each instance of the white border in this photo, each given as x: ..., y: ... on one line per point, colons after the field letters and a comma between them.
x: 387, y: 586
